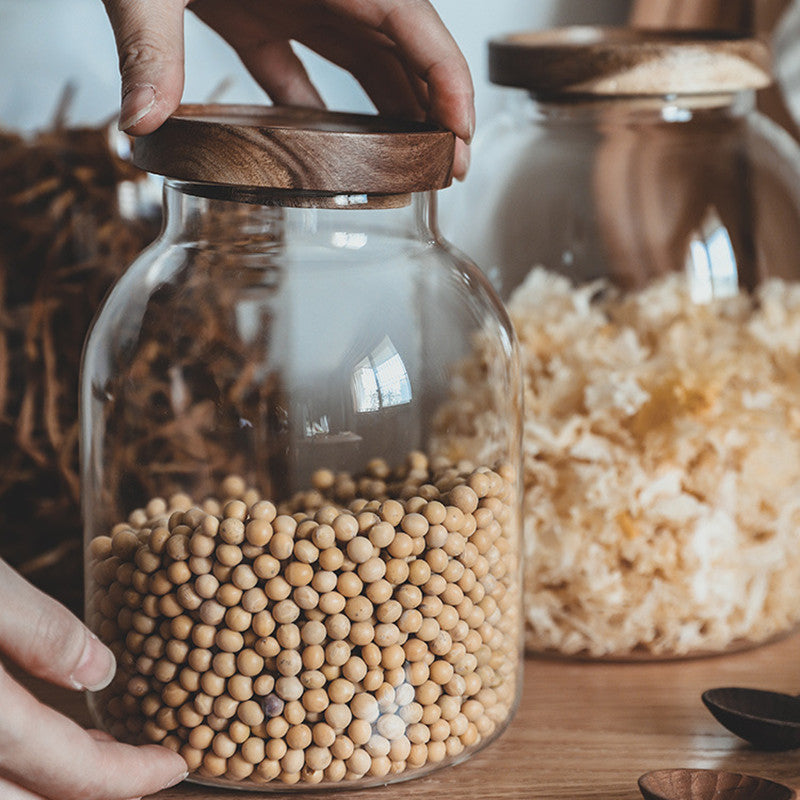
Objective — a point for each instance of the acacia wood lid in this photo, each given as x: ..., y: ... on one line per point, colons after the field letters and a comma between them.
x: 303, y: 149
x: 619, y: 62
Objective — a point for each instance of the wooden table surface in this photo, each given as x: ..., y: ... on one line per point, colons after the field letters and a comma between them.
x: 584, y: 730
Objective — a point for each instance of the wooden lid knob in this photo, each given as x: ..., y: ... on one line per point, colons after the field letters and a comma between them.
x: 304, y: 149
x: 620, y: 62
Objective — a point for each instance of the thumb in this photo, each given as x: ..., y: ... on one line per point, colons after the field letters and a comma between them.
x: 47, y: 640
x: 149, y: 36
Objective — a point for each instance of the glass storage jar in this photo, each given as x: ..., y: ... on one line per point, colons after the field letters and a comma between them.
x: 642, y: 221
x: 302, y: 577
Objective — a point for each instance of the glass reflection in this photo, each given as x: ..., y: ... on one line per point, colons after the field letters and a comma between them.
x: 380, y: 380
x: 711, y: 261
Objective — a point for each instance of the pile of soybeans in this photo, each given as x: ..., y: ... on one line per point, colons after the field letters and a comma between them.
x: 365, y: 628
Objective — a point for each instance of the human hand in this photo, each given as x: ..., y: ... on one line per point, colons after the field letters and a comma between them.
x: 399, y: 51
x: 42, y: 753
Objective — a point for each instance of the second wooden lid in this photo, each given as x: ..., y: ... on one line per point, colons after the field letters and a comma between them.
x: 614, y: 62
x: 304, y: 149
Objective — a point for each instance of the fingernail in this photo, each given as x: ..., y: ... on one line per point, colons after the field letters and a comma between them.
x: 462, y: 167
x: 96, y: 667
x: 137, y: 103
x: 470, y: 125
x: 177, y: 779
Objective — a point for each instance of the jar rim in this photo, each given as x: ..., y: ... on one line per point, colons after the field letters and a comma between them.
x: 297, y: 148
x: 625, y: 62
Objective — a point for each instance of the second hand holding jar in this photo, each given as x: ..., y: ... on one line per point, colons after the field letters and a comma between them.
x: 301, y: 578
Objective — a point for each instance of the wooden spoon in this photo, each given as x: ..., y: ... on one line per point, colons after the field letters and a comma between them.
x: 768, y: 720
x: 710, y: 784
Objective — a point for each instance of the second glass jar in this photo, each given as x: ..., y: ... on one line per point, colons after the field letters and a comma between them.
x: 642, y: 221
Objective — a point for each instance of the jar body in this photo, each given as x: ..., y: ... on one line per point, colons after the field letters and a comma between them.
x: 285, y: 548
x: 646, y: 249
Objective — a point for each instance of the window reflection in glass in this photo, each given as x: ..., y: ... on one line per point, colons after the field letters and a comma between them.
x: 380, y: 380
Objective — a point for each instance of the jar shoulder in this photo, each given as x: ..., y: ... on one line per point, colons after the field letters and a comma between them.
x: 422, y: 289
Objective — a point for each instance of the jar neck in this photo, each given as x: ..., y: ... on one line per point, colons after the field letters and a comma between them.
x: 669, y: 108
x: 195, y: 212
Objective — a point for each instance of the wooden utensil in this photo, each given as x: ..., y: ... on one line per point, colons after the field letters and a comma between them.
x: 710, y: 784
x: 768, y: 720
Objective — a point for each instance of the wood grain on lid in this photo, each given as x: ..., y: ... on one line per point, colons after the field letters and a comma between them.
x: 618, y: 62
x: 288, y: 147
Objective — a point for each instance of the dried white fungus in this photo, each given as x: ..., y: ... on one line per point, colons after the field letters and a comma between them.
x: 661, y: 461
